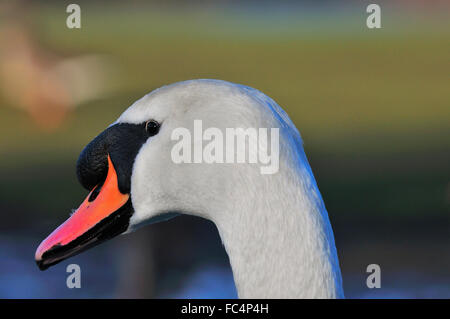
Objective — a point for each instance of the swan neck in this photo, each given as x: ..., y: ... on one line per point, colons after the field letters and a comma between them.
x: 280, y: 243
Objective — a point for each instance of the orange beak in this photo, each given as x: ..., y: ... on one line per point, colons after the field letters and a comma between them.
x: 96, y: 220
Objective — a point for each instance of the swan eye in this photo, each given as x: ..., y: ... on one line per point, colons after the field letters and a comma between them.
x: 152, y: 127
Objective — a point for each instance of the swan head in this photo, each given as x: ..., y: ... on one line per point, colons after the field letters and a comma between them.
x: 131, y: 173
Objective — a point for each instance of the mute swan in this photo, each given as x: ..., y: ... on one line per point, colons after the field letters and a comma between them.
x: 274, y: 227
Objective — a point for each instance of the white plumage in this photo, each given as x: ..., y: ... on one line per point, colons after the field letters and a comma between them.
x: 275, y: 228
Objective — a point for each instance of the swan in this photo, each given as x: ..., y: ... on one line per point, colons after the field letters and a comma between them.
x: 274, y: 227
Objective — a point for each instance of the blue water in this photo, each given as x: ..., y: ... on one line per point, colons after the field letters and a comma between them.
x: 20, y: 278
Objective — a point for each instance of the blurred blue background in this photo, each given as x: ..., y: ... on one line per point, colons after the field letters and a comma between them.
x: 373, y: 107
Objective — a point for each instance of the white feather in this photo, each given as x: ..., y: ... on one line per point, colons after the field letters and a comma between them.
x: 275, y: 228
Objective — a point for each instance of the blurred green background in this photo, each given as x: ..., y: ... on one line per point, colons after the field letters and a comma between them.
x: 372, y: 105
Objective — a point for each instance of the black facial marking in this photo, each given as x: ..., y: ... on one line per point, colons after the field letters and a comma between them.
x: 122, y: 142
